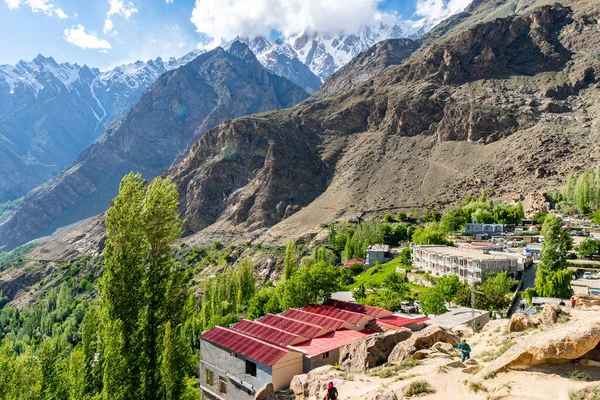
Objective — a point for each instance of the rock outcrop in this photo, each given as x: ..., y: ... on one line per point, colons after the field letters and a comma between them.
x: 424, y: 339
x: 561, y: 344
x: 586, y: 300
x: 313, y: 384
x: 267, y: 392
x: 364, y: 354
x: 520, y: 322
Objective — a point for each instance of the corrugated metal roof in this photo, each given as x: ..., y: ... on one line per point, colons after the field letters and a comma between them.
x: 248, y: 346
x: 329, y: 341
x: 357, y: 308
x: 396, y: 321
x: 332, y: 312
x: 291, y: 325
x: 266, y: 332
x: 314, y: 318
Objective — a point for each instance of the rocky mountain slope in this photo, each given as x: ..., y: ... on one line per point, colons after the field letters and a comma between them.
x: 50, y: 112
x: 505, y: 105
x: 176, y: 110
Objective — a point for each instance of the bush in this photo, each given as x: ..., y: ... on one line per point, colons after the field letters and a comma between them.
x: 418, y: 387
x: 579, y: 375
x: 356, y: 269
x: 401, y: 216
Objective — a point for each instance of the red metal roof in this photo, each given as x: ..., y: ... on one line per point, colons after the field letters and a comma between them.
x: 291, y: 325
x: 357, y: 308
x: 329, y: 341
x: 253, y: 348
x: 396, y: 321
x: 266, y: 332
x: 336, y: 313
x: 355, y: 261
x: 313, y: 318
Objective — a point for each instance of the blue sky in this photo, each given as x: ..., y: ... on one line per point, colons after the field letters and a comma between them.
x: 77, y: 30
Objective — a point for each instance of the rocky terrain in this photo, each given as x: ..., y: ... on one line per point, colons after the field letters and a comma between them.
x: 557, y: 360
x: 215, y: 87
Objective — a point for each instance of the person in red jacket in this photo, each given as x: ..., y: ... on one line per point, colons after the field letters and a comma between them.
x: 332, y: 393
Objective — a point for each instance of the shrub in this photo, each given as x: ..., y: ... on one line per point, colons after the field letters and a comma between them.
x: 476, y: 387
x: 579, y: 375
x: 418, y: 387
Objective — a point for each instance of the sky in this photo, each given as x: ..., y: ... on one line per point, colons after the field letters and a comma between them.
x: 105, y: 33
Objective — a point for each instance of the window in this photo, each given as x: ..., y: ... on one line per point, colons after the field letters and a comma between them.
x: 210, y: 377
x: 250, y: 368
x: 222, y: 385
x: 326, y: 355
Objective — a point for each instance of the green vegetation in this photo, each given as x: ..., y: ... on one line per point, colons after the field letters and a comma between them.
x: 10, y: 256
x: 592, y: 393
x: 8, y: 206
x: 553, y: 279
x: 579, y: 375
x: 588, y: 249
x: 418, y: 387
x: 491, y: 355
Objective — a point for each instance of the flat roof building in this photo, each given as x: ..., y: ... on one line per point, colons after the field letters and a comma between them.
x: 470, y: 265
x: 378, y: 253
x: 474, y: 318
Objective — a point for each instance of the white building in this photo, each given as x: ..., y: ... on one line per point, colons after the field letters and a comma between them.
x: 474, y: 229
x: 471, y: 266
x: 377, y: 253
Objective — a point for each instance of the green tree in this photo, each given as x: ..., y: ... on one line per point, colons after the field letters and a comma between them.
x: 447, y: 287
x: 401, y: 216
x: 405, y: 256
x: 495, y: 291
x: 552, y: 277
x: 588, y: 248
x: 289, y: 263
x: 432, y: 233
x: 432, y: 302
x: 454, y: 220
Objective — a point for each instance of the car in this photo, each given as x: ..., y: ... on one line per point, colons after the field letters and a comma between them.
x: 587, y: 275
x: 408, y: 307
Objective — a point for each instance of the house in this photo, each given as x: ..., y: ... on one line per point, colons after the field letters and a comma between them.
x: 475, y: 228
x: 325, y: 349
x: 357, y: 320
x: 235, y: 365
x: 476, y: 319
x: 378, y: 253
x: 398, y: 322
x: 371, y: 311
x: 349, y: 263
x: 471, y: 266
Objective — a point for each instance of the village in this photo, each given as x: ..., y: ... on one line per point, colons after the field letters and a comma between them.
x: 257, y: 359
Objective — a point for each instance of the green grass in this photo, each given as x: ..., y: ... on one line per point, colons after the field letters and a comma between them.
x: 375, y: 276
x: 585, y: 394
x: 579, y: 375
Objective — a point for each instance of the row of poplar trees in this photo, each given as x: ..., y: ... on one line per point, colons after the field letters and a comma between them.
x: 141, y: 352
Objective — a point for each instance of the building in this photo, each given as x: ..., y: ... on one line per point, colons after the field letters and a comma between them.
x: 476, y: 319
x: 234, y: 365
x: 236, y: 362
x: 350, y: 263
x: 471, y: 266
x: 398, y: 322
x: 378, y: 253
x: 474, y: 229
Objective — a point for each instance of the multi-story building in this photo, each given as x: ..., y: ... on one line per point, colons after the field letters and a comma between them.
x: 475, y: 228
x: 470, y: 265
x: 378, y: 253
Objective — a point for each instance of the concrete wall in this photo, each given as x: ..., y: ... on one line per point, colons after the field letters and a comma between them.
x: 374, y: 256
x: 319, y: 360
x: 286, y: 368
x: 221, y: 362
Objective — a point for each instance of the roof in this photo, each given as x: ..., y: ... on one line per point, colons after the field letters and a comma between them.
x: 314, y: 319
x: 290, y: 325
x: 378, y: 247
x: 330, y: 341
x: 458, y: 316
x: 333, y: 312
x: 248, y: 346
x: 266, y: 332
x: 354, y: 261
x: 357, y: 308
x: 397, y: 321
x: 464, y: 253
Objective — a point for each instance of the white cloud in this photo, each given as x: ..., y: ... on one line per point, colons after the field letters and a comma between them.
x: 109, y: 26
x: 437, y: 10
x: 118, y: 7
x: 223, y: 20
x: 77, y: 35
x: 44, y: 6
x: 169, y: 1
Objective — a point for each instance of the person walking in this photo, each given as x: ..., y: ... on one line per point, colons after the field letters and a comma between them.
x: 332, y: 393
x: 572, y: 302
x: 465, y: 350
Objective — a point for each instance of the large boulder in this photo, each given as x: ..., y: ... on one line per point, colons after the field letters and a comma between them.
x: 424, y: 339
x: 363, y: 354
x: 549, y: 314
x: 520, y: 322
x: 587, y: 300
x: 314, y: 383
x: 562, y: 344
x: 267, y: 392
x: 382, y: 396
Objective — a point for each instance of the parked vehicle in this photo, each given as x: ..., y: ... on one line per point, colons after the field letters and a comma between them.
x: 587, y: 275
x: 408, y: 307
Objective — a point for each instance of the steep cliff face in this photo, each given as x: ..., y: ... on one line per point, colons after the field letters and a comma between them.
x: 178, y: 109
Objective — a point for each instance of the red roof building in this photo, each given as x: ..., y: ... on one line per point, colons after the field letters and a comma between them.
x: 268, y: 333
x: 314, y: 319
x: 360, y: 320
x: 293, y: 326
x: 246, y: 345
x: 374, y: 312
x: 328, y: 342
x: 352, y: 262
x: 396, y: 322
